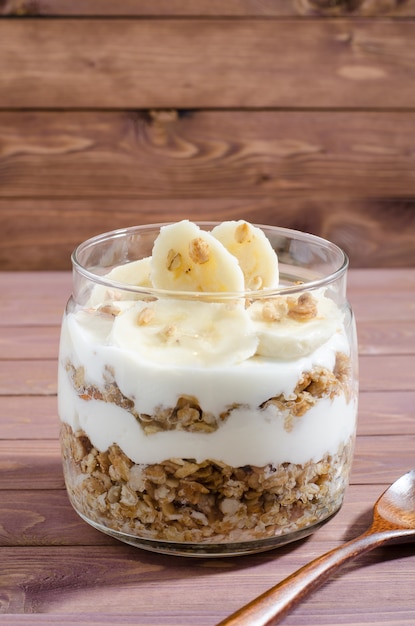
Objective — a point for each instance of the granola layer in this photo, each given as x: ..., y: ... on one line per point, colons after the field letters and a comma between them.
x: 181, y: 500
x: 188, y: 415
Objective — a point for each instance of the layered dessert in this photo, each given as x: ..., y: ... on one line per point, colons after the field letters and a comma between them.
x: 202, y: 402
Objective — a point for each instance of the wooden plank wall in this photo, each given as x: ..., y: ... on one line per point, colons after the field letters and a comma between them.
x: 299, y: 113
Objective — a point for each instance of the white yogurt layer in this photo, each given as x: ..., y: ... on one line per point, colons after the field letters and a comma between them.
x: 249, y: 435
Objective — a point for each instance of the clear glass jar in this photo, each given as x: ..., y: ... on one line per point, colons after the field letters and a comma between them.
x: 239, y: 451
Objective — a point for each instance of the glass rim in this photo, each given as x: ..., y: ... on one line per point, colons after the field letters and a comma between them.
x: 182, y: 294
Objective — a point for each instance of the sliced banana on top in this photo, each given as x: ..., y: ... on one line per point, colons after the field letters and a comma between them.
x: 135, y: 273
x: 186, y: 333
x: 285, y: 336
x: 186, y: 258
x: 253, y: 250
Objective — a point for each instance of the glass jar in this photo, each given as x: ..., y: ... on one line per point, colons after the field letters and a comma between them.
x: 207, y: 424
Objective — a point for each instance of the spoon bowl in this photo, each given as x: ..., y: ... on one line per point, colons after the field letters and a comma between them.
x: 393, y: 522
x: 396, y: 506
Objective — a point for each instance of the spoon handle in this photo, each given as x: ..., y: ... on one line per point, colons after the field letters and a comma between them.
x: 272, y: 605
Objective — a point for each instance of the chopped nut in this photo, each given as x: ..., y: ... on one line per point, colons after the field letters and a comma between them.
x: 199, y: 251
x: 168, y: 332
x: 303, y: 309
x: 274, y: 310
x: 145, y: 316
x: 242, y: 233
x: 109, y: 309
x: 174, y: 260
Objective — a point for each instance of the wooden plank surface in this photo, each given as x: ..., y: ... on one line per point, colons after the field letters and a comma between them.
x: 188, y: 63
x: 66, y: 580
x: 346, y: 177
x: 205, y: 8
x: 41, y: 233
x: 56, y: 569
x: 34, y: 298
x: 150, y: 155
x: 35, y: 417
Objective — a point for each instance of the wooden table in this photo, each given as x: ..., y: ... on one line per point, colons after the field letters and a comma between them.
x: 55, y: 569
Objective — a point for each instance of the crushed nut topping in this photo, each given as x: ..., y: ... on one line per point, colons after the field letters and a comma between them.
x: 145, y: 316
x: 303, y: 309
x: 242, y: 233
x: 109, y: 309
x: 169, y: 332
x: 275, y: 310
x: 174, y: 260
x: 199, y: 251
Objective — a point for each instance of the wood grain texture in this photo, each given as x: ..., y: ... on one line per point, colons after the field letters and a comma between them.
x: 36, y: 342
x: 386, y: 413
x: 28, y: 520
x: 62, y: 581
x: 35, y: 377
x: 205, y: 8
x: 49, y: 293
x: 346, y: 177
x: 188, y: 63
x: 376, y: 337
x: 366, y: 282
x: 35, y: 417
x: 40, y: 233
x: 30, y: 464
x: 206, y: 154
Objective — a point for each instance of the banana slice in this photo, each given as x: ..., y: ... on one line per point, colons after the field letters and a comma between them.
x: 185, y: 333
x: 135, y: 273
x: 283, y: 336
x: 189, y: 259
x: 253, y: 250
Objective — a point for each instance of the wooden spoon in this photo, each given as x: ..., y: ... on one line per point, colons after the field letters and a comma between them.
x: 393, y: 521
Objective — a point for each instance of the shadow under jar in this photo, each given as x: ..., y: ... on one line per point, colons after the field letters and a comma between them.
x: 207, y: 423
